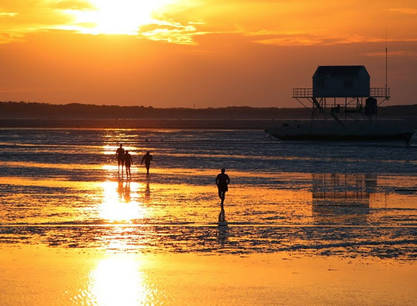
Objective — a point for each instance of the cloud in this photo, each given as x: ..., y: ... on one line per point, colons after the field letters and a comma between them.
x: 306, y: 39
x: 73, y: 5
x: 397, y: 53
x: 6, y: 38
x: 171, y: 32
x: 19, y: 19
x: 403, y: 10
x: 267, y: 22
x: 8, y: 14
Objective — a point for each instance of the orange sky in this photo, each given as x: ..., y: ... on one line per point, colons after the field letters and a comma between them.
x: 198, y: 53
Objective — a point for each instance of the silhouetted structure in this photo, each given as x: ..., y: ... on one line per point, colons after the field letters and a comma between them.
x: 341, y: 81
x: 342, y: 94
x: 222, y: 182
x: 147, y: 158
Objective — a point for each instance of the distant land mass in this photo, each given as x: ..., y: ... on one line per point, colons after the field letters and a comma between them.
x: 34, y: 114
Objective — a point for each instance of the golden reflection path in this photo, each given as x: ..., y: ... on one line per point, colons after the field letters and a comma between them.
x: 118, y: 279
x: 120, y: 201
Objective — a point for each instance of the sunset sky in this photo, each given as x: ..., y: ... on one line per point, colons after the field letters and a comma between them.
x: 198, y: 53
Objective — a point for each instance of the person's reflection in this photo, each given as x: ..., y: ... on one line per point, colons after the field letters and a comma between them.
x: 120, y: 189
x: 222, y: 234
x: 342, y: 198
x: 123, y: 190
x: 127, y: 192
x: 147, y: 190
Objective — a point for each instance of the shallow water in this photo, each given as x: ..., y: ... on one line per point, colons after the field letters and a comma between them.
x: 60, y: 188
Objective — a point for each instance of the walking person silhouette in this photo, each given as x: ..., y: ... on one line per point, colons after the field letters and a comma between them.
x: 120, y: 154
x: 128, y: 162
x: 222, y: 182
x: 147, y: 158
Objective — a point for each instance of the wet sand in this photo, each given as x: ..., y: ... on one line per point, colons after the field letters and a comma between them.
x: 308, y: 224
x: 54, y: 276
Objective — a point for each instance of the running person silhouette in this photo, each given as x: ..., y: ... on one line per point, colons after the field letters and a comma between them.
x: 147, y: 158
x: 222, y: 182
x: 120, y: 154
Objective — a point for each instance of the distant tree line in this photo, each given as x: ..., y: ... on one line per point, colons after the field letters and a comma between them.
x: 32, y: 110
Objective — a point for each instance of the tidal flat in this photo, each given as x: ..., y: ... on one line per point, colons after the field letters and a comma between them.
x: 307, y: 223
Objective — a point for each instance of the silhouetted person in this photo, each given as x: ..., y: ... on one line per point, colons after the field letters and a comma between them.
x: 222, y: 182
x: 120, y: 154
x: 147, y: 158
x: 128, y: 162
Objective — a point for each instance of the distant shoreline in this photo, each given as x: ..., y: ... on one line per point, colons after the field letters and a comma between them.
x: 24, y: 110
x: 238, y: 124
x: 75, y: 115
x: 136, y: 123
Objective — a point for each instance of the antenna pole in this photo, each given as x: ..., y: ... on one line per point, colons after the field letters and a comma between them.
x: 386, y: 73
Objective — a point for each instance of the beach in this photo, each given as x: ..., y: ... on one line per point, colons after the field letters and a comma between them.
x: 307, y: 223
x: 51, y: 276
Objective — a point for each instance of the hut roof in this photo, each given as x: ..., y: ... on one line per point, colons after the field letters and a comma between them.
x: 339, y: 70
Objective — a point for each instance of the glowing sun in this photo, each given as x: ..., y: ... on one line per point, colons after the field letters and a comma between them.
x: 123, y: 17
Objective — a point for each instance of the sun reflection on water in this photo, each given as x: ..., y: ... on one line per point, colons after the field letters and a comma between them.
x: 119, y: 280
x: 120, y: 201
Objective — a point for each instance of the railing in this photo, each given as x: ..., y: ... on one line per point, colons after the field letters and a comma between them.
x: 302, y: 92
x: 380, y: 92
x: 308, y: 92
